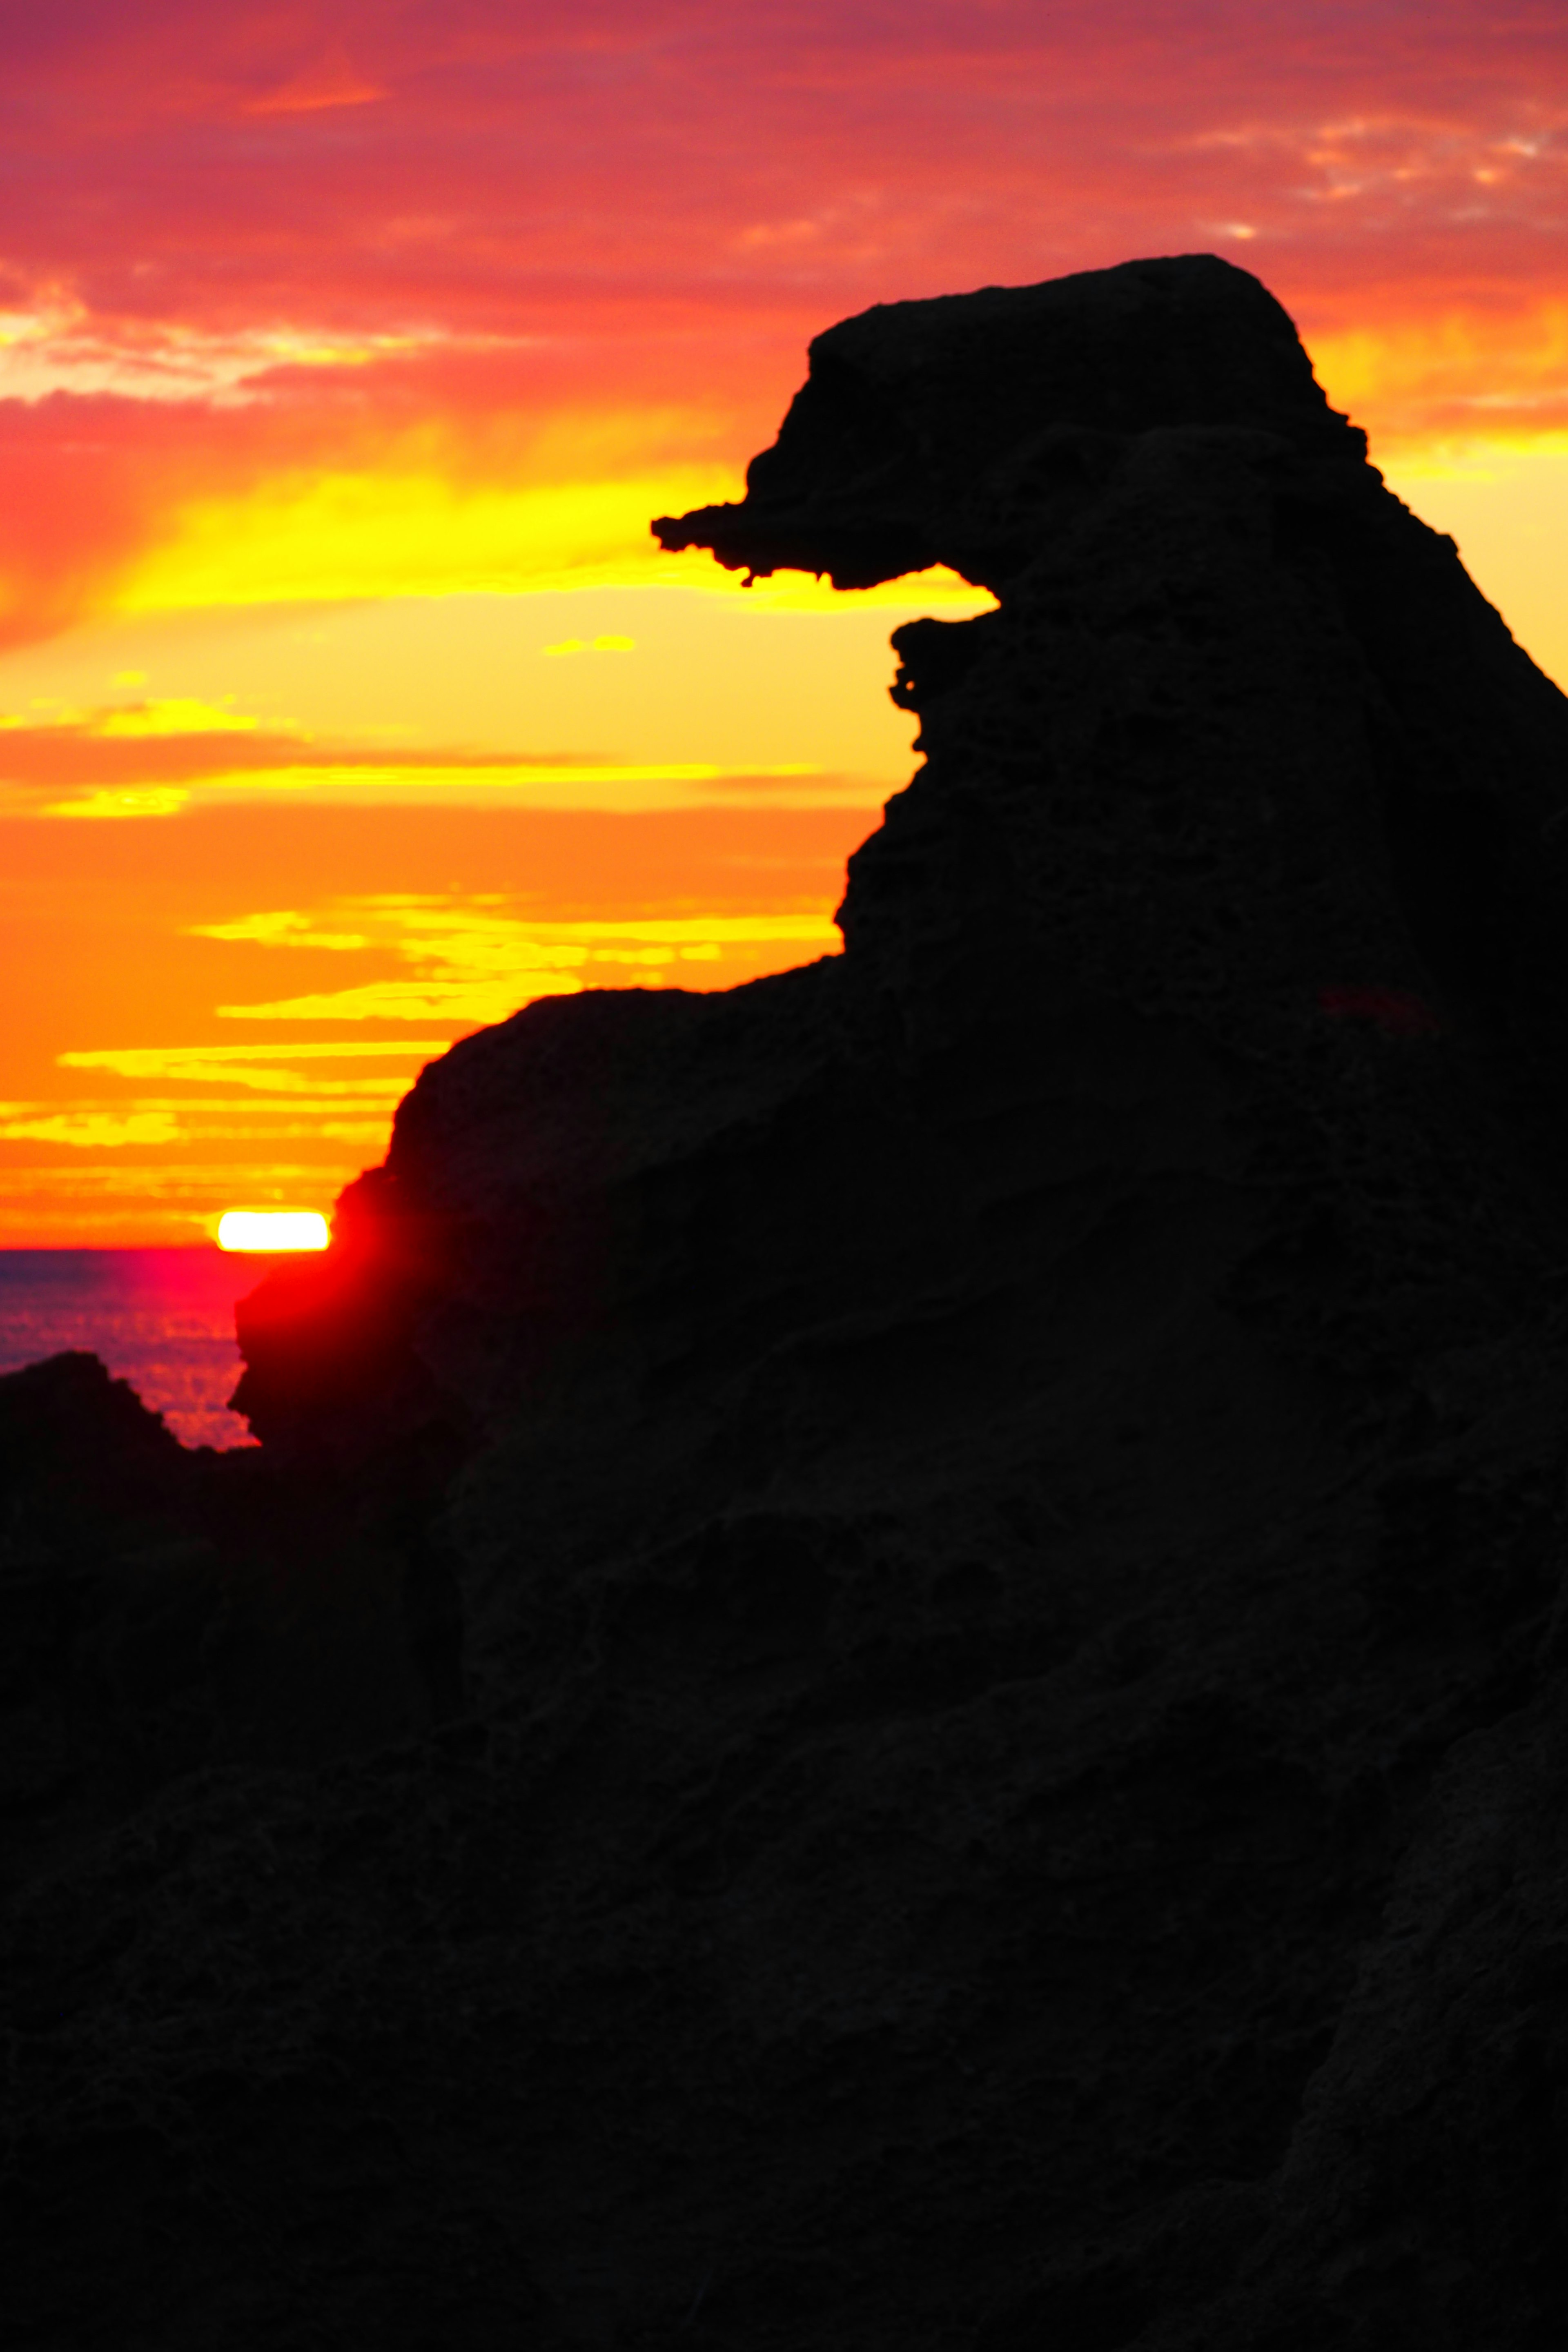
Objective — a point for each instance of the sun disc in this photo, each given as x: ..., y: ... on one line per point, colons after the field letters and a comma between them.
x: 272, y: 1229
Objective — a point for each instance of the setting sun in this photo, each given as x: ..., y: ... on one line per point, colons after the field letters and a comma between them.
x: 272, y: 1229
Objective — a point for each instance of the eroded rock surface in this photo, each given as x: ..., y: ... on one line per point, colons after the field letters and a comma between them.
x: 1001, y: 1782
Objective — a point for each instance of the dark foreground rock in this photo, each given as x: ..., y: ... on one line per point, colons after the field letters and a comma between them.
x: 954, y: 1557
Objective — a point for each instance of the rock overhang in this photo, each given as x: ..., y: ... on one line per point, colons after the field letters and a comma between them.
x: 898, y: 450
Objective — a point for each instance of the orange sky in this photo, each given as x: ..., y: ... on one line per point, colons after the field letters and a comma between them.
x: 345, y: 701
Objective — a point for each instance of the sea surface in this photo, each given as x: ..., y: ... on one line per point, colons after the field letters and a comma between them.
x: 161, y: 1319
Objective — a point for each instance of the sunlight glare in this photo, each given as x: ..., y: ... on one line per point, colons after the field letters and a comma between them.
x: 272, y: 1229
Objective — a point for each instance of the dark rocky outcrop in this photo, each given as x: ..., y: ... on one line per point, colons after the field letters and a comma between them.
x: 965, y: 1543
x: 162, y: 1610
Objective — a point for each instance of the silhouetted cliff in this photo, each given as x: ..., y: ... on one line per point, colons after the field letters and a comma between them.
x: 959, y: 1550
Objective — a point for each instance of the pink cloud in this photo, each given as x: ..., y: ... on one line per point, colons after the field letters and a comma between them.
x: 621, y: 153
x: 329, y: 80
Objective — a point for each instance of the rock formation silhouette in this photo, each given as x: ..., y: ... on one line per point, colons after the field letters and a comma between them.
x: 893, y: 1674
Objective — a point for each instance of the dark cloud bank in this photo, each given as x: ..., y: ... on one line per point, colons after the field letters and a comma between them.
x: 891, y: 1676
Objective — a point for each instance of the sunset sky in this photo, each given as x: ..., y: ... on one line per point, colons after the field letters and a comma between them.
x: 346, y: 702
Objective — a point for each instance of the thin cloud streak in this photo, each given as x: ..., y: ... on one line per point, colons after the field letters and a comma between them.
x: 480, y: 963
x: 145, y: 760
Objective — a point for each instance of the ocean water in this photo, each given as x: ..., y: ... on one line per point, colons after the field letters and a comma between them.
x: 161, y: 1319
